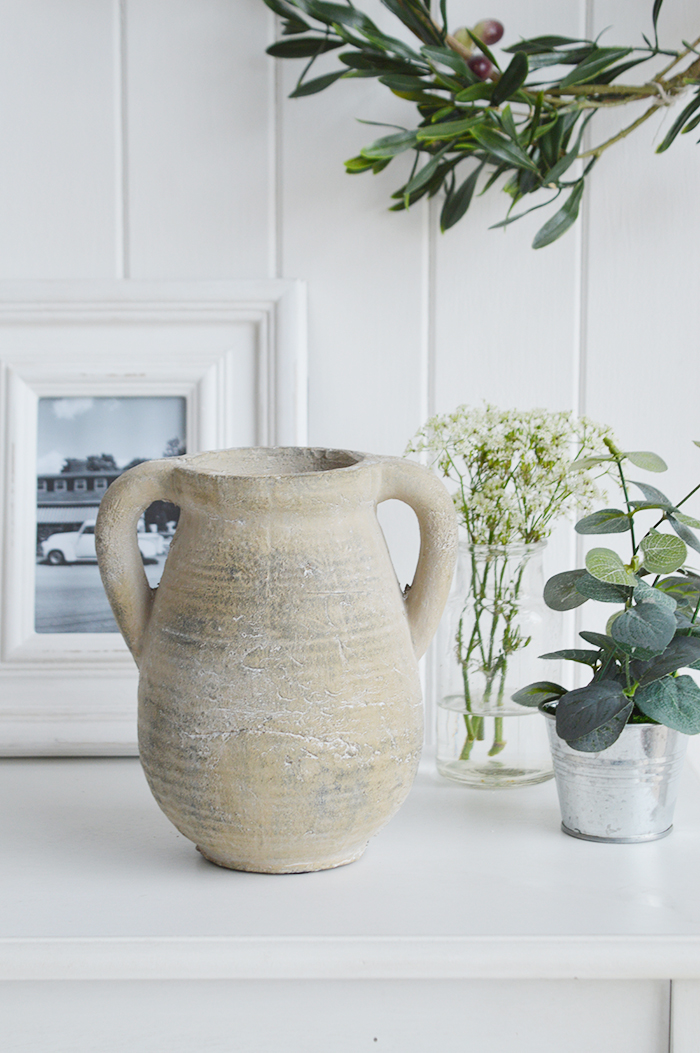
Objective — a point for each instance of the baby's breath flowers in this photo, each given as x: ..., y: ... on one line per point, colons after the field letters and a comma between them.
x: 514, y: 472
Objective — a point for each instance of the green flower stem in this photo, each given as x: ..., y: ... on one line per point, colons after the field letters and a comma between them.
x: 492, y: 649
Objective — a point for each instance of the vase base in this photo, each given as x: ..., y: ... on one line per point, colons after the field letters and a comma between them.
x: 306, y: 867
x: 492, y: 776
x: 617, y: 840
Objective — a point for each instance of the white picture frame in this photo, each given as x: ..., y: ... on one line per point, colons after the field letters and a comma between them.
x: 234, y: 350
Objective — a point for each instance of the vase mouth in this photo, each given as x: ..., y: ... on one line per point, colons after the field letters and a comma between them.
x: 272, y: 462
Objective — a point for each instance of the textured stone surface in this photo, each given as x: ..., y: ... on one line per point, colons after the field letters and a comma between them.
x: 280, y: 715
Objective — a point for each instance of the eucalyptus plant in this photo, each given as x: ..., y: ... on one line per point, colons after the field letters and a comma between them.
x: 525, y: 121
x: 635, y: 664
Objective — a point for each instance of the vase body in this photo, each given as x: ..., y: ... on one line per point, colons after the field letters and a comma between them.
x: 624, y: 794
x: 279, y: 705
x: 495, y: 626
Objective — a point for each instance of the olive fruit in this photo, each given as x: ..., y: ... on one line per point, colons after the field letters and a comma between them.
x: 480, y: 66
x: 462, y: 36
x: 489, y: 31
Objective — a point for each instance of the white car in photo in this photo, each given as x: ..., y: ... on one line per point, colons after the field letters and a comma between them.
x: 78, y: 546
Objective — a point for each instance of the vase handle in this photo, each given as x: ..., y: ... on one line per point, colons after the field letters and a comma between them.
x: 118, y: 554
x: 427, y: 496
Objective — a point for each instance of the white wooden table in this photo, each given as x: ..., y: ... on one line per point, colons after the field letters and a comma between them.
x: 471, y: 923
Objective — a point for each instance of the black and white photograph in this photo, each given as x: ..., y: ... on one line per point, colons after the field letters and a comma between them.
x: 83, y: 445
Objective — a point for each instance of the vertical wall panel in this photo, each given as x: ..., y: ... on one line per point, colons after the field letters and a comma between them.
x: 57, y: 136
x: 364, y: 266
x: 643, y: 293
x: 197, y: 114
x: 507, y: 315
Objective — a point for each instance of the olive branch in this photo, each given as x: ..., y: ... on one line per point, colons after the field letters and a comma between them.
x: 495, y: 122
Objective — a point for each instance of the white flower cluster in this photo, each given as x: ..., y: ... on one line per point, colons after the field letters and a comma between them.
x: 514, y: 470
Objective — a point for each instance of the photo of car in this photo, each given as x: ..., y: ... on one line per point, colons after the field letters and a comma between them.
x: 78, y: 546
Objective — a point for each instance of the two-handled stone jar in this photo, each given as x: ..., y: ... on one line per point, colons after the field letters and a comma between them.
x: 280, y: 715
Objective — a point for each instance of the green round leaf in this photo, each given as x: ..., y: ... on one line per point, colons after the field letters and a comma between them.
x: 606, y: 565
x: 673, y: 701
x: 645, y: 629
x: 604, y: 736
x: 607, y: 521
x: 581, y: 711
x: 663, y: 553
x: 593, y: 589
x: 560, y: 593
x: 541, y: 691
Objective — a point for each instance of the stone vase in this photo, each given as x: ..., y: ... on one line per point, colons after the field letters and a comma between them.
x: 280, y: 712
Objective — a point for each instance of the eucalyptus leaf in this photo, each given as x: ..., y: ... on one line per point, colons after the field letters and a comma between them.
x: 581, y: 711
x: 645, y: 629
x: 576, y: 654
x: 680, y: 654
x: 606, y: 643
x: 582, y: 463
x: 663, y: 553
x: 650, y: 462
x: 652, y: 494
x: 673, y: 701
x: 598, y: 740
x: 560, y: 593
x: 541, y: 691
x: 686, y: 520
x: 684, y: 532
x: 602, y: 591
x: 606, y: 565
x: 606, y: 521
x: 682, y: 589
x: 644, y: 593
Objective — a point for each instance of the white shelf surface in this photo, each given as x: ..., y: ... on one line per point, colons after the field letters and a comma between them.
x: 462, y: 883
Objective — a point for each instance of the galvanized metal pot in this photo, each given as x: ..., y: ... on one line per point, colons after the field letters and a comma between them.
x: 626, y: 793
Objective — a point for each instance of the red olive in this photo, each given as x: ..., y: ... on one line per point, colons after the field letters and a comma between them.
x: 489, y: 31
x: 480, y: 66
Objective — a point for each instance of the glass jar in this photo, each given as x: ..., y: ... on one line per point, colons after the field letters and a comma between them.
x: 495, y: 626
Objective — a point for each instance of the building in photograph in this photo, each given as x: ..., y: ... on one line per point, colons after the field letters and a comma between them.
x: 67, y: 499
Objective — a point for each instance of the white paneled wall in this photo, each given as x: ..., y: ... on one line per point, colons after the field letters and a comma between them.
x: 154, y: 139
